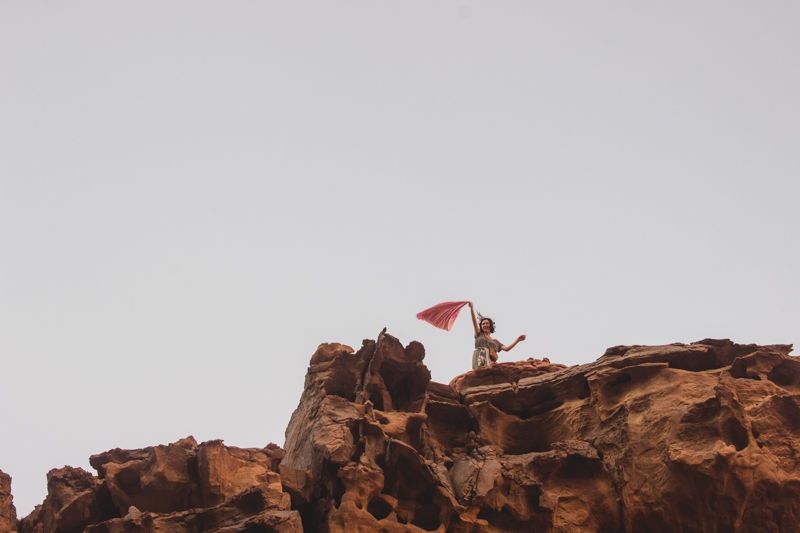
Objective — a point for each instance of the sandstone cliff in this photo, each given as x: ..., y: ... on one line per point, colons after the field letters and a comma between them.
x: 697, y: 437
x: 8, y: 515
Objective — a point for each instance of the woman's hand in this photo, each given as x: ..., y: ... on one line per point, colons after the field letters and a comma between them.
x: 521, y: 338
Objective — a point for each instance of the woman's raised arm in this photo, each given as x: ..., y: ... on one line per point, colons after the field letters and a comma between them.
x: 474, y: 320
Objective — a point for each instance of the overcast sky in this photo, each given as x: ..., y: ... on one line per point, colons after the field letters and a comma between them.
x: 194, y: 195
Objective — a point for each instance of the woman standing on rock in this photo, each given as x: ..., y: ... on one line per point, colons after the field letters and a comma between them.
x: 487, y: 347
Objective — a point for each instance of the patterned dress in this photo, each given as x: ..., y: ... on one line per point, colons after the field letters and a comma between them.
x: 483, y: 350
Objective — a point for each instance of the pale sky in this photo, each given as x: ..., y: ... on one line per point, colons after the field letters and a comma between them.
x: 194, y: 195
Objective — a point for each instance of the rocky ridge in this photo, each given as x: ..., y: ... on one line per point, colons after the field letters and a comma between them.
x: 181, y: 486
x: 682, y: 437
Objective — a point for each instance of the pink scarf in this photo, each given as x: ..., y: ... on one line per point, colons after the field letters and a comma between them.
x: 442, y: 315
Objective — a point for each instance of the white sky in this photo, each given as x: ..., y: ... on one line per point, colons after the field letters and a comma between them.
x: 193, y: 195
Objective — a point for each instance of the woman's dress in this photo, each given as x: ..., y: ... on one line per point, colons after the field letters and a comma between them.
x: 484, y: 348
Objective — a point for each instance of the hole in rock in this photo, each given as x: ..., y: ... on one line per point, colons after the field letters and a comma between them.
x: 506, y: 519
x: 379, y: 508
x: 129, y: 481
x: 410, y: 481
x: 313, y: 514
x: 784, y: 375
x: 577, y: 467
x: 359, y: 450
x: 695, y: 361
x: 250, y: 502
x: 406, y: 385
x: 532, y: 496
x: 734, y: 433
x: 338, y: 491
x: 503, y: 520
x: 584, y: 391
x: 105, y: 504
x: 426, y: 516
x: 376, y: 397
x: 334, y: 485
x: 738, y: 369
x: 702, y: 412
x: 414, y: 432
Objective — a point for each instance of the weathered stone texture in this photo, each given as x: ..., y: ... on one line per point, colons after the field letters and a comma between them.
x: 182, y: 487
x: 684, y: 437
x: 8, y: 514
x: 698, y: 437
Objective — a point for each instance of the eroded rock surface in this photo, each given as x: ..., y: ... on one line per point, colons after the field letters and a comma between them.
x: 8, y: 514
x: 176, y: 488
x: 697, y: 437
x: 682, y: 437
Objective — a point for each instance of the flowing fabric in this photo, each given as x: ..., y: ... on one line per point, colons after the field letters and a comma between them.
x: 442, y: 315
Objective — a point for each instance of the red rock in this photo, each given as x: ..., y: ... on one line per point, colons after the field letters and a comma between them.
x: 248, y: 511
x: 160, y: 479
x: 682, y: 437
x: 699, y: 437
x: 8, y: 514
x: 74, y: 500
x: 180, y: 487
x: 226, y: 471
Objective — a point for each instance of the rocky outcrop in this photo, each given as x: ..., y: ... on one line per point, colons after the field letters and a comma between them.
x: 8, y: 514
x: 180, y: 487
x: 74, y: 499
x: 698, y: 437
x: 682, y: 437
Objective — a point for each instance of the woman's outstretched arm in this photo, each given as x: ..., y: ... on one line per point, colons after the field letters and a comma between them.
x: 474, y: 320
x: 511, y: 346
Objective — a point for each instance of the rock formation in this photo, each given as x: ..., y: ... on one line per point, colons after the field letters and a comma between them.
x: 697, y: 437
x: 8, y: 515
x: 174, y: 488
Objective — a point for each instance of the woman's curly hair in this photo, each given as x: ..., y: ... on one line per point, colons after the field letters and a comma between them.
x: 481, y: 318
